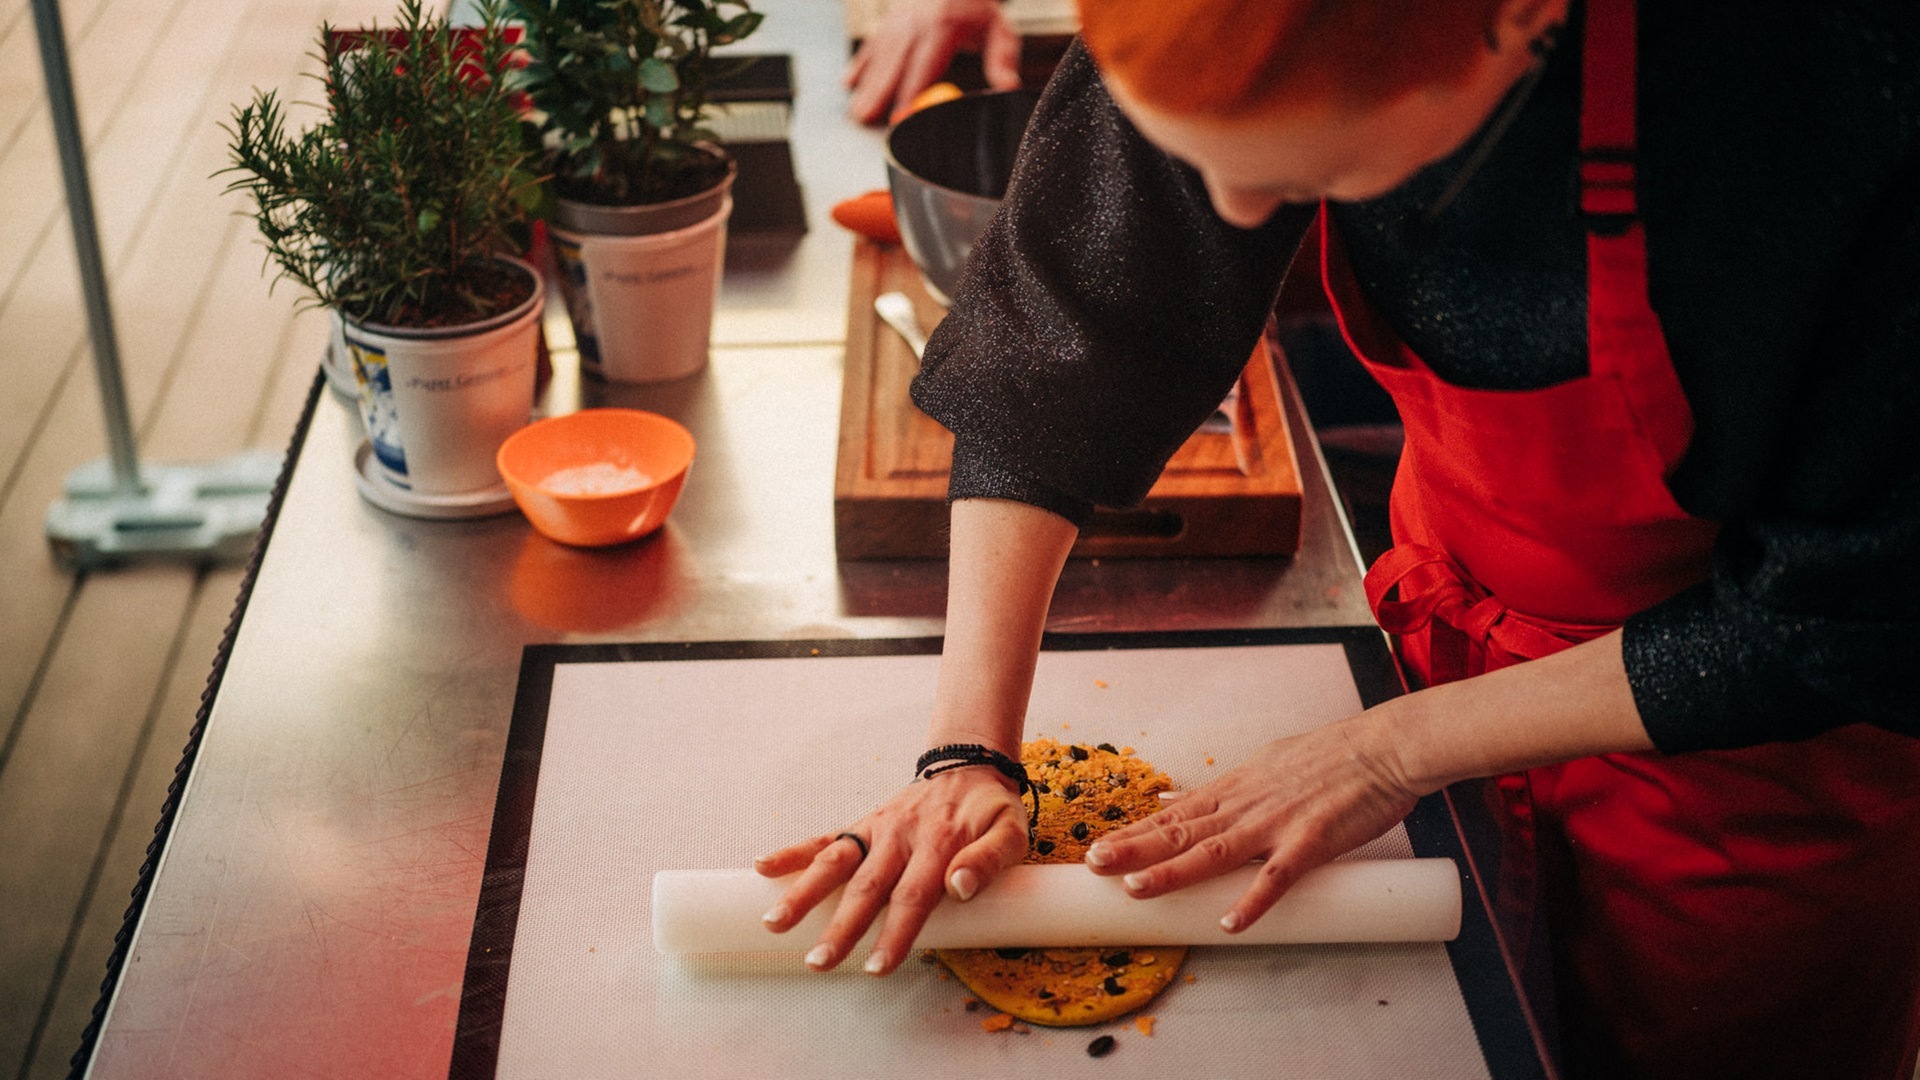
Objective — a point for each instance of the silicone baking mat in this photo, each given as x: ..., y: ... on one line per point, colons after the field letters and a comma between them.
x: 624, y: 760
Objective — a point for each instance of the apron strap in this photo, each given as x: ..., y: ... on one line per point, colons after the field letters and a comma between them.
x: 1415, y: 588
x: 1608, y: 112
x: 1620, y: 320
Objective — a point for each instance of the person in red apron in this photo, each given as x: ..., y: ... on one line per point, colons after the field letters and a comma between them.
x: 1723, y: 913
x: 1666, y: 880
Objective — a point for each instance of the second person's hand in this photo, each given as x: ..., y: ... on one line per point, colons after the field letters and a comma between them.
x: 912, y: 44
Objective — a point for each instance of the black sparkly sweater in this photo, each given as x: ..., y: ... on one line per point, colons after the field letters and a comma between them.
x: 1108, y: 309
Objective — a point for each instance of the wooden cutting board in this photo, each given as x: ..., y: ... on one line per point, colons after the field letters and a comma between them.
x: 1224, y: 493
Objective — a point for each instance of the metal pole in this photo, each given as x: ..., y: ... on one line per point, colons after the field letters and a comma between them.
x: 116, y: 510
x: 86, y: 243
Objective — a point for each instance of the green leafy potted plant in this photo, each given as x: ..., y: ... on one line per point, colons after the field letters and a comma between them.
x: 641, y: 187
x: 401, y: 209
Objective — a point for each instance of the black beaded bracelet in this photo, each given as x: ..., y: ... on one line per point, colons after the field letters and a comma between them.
x: 961, y: 755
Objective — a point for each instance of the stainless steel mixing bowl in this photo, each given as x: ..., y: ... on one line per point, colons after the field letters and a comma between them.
x: 948, y: 166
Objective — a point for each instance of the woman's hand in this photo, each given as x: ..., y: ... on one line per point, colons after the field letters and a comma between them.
x: 956, y: 830
x: 952, y: 833
x: 911, y: 45
x: 1302, y: 801
x: 1296, y: 803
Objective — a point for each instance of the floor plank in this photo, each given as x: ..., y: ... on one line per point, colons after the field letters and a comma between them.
x: 63, y: 783
x: 22, y: 91
x: 106, y: 70
x: 70, y: 1007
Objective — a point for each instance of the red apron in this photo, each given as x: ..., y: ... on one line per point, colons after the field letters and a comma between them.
x: 1746, y: 913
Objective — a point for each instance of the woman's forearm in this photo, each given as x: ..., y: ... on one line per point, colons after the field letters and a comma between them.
x: 1004, y: 562
x: 1572, y: 704
x: 1006, y: 559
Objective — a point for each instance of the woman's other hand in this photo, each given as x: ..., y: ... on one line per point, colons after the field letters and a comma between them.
x: 1305, y: 800
x: 1297, y: 803
x: 951, y: 833
x: 912, y: 44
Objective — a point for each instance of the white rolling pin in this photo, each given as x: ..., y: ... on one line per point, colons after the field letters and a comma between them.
x: 1065, y: 905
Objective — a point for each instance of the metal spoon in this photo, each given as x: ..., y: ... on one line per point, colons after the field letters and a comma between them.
x: 896, y: 308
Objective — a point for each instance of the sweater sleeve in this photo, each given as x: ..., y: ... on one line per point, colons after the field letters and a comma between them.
x: 1810, y: 618
x: 1805, y: 625
x: 1102, y: 316
x: 1791, y: 297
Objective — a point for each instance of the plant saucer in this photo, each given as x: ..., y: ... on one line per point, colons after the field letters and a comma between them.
x: 380, y: 490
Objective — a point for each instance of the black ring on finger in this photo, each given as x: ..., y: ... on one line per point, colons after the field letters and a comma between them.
x: 857, y: 842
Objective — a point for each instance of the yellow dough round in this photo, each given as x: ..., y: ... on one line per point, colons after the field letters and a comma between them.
x: 1085, y: 792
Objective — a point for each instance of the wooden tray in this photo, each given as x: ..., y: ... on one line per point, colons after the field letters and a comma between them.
x: 1223, y: 493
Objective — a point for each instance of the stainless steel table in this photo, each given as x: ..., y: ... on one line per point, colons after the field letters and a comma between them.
x: 311, y: 910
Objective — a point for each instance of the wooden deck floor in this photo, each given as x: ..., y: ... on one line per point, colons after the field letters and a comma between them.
x: 101, y: 673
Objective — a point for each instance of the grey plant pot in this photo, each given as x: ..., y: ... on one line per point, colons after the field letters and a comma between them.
x: 640, y: 283
x: 645, y: 218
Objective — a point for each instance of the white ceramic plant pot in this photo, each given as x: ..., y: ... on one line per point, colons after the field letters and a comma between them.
x: 439, y: 402
x: 640, y: 282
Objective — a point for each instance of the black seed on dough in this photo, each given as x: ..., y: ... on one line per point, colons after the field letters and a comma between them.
x: 1079, y: 830
x: 1112, y: 986
x: 1108, y: 747
x: 1079, y: 753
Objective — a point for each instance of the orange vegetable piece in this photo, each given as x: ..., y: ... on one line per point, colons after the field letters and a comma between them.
x: 870, y: 215
x: 932, y: 95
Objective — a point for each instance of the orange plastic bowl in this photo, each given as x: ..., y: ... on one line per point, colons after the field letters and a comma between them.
x: 598, y: 476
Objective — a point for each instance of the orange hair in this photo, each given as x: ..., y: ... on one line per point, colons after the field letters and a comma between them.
x: 1233, y: 59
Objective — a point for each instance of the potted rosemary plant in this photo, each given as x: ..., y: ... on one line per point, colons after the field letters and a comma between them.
x: 401, y: 208
x: 641, y: 188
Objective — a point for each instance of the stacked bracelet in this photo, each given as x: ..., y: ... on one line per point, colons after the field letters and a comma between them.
x: 960, y: 755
